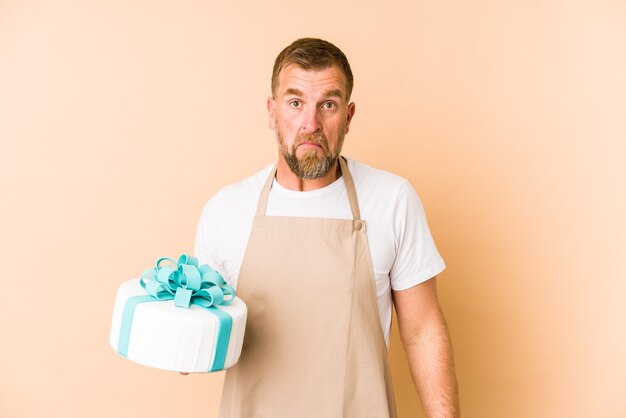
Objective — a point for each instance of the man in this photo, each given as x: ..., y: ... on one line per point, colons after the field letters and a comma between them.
x: 318, y: 247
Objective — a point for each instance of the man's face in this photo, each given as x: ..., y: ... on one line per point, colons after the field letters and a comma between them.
x: 310, y: 114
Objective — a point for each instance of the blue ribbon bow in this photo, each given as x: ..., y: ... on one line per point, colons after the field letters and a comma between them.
x: 186, y: 284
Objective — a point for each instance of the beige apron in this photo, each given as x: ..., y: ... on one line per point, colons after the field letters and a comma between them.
x: 313, y: 345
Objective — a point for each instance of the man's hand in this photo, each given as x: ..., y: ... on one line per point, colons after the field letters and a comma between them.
x: 426, y: 341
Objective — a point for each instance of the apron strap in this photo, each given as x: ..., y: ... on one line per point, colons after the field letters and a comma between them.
x: 265, y: 193
x: 347, y: 179
x: 351, y: 189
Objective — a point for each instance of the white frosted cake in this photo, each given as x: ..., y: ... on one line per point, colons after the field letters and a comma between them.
x: 159, y: 334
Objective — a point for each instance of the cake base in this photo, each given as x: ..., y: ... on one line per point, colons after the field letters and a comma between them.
x: 168, y: 337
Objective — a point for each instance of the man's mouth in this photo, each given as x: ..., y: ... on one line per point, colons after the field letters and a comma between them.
x: 313, y: 144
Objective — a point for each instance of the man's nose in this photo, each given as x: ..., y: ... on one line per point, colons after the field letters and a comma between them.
x: 311, y: 122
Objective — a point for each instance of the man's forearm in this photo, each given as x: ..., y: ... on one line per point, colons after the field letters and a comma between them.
x: 432, y: 367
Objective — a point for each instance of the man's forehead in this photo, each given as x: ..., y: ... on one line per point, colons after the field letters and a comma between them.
x: 294, y: 79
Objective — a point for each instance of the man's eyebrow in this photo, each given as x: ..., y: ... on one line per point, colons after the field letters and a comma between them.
x: 294, y: 92
x: 334, y: 93
x: 330, y: 93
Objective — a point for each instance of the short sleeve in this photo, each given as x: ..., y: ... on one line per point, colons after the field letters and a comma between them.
x: 208, y: 234
x: 417, y: 258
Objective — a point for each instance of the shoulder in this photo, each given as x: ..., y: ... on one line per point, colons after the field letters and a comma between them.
x: 367, y: 174
x: 370, y: 181
x: 385, y: 197
x: 240, y: 197
x: 249, y: 187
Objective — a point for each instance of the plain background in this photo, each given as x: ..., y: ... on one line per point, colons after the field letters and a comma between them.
x: 119, y: 119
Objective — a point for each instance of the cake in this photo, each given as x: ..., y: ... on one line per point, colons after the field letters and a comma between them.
x: 182, y: 318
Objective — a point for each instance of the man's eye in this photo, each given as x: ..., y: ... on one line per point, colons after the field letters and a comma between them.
x: 329, y: 106
x: 295, y: 104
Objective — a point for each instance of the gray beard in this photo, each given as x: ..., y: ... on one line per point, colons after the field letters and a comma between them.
x: 310, y: 166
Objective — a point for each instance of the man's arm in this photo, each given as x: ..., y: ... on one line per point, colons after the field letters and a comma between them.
x: 426, y: 341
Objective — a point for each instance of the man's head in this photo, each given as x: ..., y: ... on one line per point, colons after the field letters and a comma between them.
x: 312, y: 54
x: 310, y: 108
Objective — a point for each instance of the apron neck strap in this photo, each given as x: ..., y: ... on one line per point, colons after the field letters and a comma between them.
x: 347, y: 179
x: 351, y: 189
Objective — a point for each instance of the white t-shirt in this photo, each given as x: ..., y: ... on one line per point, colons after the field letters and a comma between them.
x: 402, y: 249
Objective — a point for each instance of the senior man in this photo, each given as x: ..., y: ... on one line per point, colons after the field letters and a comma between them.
x: 319, y: 247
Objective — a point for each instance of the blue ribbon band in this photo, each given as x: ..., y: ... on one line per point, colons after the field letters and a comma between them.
x: 187, y: 285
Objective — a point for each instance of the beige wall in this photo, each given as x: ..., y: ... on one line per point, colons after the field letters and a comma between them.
x: 119, y: 119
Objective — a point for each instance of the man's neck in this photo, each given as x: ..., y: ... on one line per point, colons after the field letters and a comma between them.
x: 289, y: 180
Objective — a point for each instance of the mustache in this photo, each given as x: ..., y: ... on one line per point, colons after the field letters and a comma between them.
x: 316, y: 138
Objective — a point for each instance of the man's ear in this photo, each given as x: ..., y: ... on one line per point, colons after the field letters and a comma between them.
x: 351, y: 110
x: 271, y: 113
